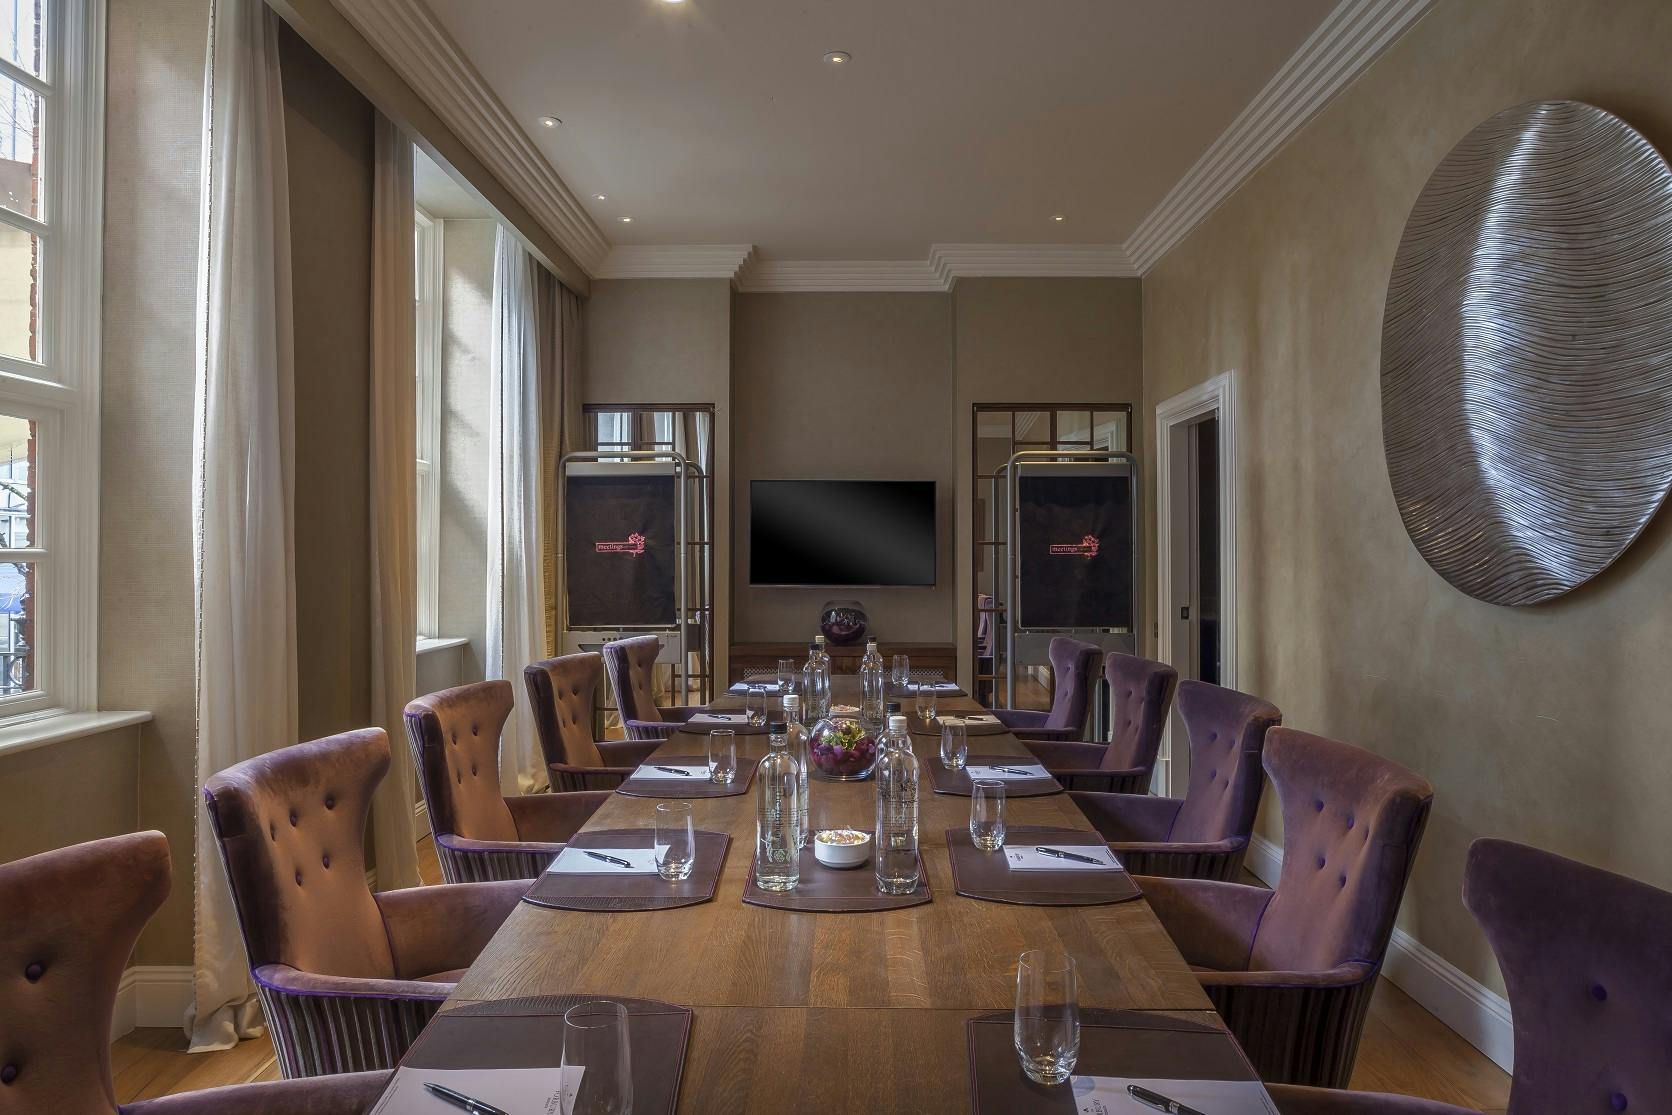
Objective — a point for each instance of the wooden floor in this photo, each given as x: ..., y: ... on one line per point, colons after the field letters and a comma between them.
x: 1405, y: 1049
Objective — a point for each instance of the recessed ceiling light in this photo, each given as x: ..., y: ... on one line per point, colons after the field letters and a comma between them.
x: 626, y: 220
x: 838, y: 58
x: 673, y: 1
x: 599, y: 197
x: 1059, y: 218
x: 549, y: 121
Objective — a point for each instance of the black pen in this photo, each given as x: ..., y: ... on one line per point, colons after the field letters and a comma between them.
x: 617, y: 860
x: 672, y: 770
x: 1014, y: 770
x: 1159, y: 1101
x: 464, y: 1102
x: 1060, y: 854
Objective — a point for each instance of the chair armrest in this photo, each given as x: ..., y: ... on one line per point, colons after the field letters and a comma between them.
x: 1039, y: 735
x: 1022, y: 719
x: 553, y: 818
x: 1128, y: 817
x: 1292, y: 1100
x: 1350, y: 974
x: 1067, y: 754
x: 438, y: 929
x: 1212, y: 923
x: 344, y: 1094
x: 466, y: 846
x: 1167, y: 848
x: 628, y: 753
x: 658, y: 730
x: 292, y: 981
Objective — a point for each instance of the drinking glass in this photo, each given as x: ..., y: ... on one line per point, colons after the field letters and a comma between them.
x: 754, y: 705
x: 786, y: 676
x: 955, y: 744
x: 987, y: 814
x: 902, y: 670
x: 926, y: 703
x: 676, y: 840
x: 722, y: 756
x: 595, y: 1039
x: 1047, y: 1015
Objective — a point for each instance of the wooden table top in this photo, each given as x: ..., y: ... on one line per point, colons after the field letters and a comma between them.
x: 862, y: 1011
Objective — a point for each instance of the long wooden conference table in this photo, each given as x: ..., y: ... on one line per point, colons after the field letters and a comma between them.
x: 833, y: 1011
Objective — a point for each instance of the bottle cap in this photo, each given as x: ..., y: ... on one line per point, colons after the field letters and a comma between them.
x: 775, y: 722
x: 896, y: 722
x: 792, y: 700
x: 891, y: 707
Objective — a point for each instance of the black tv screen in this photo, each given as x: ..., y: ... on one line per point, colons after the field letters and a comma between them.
x: 842, y: 532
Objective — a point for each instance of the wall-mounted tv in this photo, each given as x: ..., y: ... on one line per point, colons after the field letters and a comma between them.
x: 842, y: 532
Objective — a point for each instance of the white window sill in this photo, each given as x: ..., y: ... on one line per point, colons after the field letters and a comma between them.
x: 55, y: 727
x: 430, y: 646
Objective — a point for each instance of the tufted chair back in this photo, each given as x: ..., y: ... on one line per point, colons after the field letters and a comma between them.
x: 1351, y: 824
x: 1585, y: 960
x: 562, y: 691
x: 1140, y: 700
x: 68, y: 922
x: 1227, y: 731
x: 631, y: 663
x: 455, y: 745
x: 1073, y: 672
x: 291, y: 825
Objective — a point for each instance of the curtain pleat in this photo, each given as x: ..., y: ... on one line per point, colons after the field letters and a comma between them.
x: 394, y: 499
x: 242, y: 477
x: 559, y: 315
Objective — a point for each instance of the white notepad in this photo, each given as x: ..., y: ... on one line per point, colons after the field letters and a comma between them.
x: 1107, y: 1095
x: 742, y: 687
x: 721, y: 719
x: 663, y: 772
x: 575, y: 861
x: 1031, y: 770
x: 1028, y: 857
x: 517, y: 1090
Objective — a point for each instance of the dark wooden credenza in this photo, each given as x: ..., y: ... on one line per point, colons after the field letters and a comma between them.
x: 761, y: 659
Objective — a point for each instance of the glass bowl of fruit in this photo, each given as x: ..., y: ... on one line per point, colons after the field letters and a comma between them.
x: 840, y: 750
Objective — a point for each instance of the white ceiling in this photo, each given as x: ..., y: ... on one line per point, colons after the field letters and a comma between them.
x: 956, y: 122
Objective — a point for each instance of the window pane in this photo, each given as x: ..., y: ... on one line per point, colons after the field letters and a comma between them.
x: 20, y: 257
x: 1073, y: 427
x: 1110, y: 431
x: 17, y: 483
x: 17, y: 531
x: 20, y: 146
x: 20, y: 33
x: 17, y: 614
x: 1034, y: 426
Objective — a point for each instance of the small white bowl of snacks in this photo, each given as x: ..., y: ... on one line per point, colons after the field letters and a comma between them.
x: 842, y: 848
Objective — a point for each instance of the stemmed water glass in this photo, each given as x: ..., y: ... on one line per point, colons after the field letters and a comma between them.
x: 1047, y: 1015
x: 595, y: 1041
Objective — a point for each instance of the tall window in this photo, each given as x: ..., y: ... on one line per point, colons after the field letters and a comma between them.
x: 427, y: 291
x: 51, y: 187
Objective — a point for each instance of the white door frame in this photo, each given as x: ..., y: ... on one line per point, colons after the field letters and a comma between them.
x: 1218, y: 397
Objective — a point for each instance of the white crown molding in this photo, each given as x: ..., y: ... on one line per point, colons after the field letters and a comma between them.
x: 675, y: 261
x: 792, y: 276
x: 970, y: 261
x: 1342, y: 47
x: 419, y: 48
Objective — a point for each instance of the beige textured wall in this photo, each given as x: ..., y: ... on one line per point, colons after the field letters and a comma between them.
x: 69, y: 792
x: 1034, y: 341
x: 153, y: 140
x: 329, y: 131
x: 843, y: 386
x: 669, y: 341
x: 466, y: 383
x: 1541, y: 724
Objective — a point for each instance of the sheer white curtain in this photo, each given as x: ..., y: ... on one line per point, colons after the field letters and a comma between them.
x: 515, y: 606
x: 242, y: 479
x: 394, y: 499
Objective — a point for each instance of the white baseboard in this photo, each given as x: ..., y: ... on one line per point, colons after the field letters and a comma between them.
x: 153, y: 996
x: 421, y: 815
x: 1477, y: 1013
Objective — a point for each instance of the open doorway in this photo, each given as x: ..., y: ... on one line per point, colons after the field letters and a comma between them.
x: 1196, y: 550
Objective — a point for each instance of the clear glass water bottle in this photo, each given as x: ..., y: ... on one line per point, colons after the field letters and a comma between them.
x: 873, y: 687
x: 815, y: 683
x: 795, y: 733
x: 890, y: 737
x: 777, y: 828
x: 897, y: 773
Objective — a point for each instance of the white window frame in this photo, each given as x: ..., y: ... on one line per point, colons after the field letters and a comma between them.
x: 427, y: 289
x: 61, y: 391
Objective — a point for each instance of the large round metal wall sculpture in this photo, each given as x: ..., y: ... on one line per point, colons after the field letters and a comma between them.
x: 1527, y: 352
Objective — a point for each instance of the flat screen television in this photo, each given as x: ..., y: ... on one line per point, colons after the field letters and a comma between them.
x: 858, y: 533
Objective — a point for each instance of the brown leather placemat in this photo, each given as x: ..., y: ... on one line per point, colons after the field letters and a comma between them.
x: 698, y: 786
x: 945, y: 689
x: 528, y: 1033
x: 831, y: 890
x: 984, y: 875
x: 971, y: 730
x: 739, y: 725
x: 958, y: 781
x: 1112, y: 1043
x: 621, y: 893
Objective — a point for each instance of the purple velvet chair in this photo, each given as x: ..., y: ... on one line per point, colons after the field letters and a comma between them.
x: 1291, y: 970
x: 71, y: 918
x: 631, y: 664
x: 347, y: 978
x: 1073, y: 673
x: 480, y: 835
x: 562, y: 691
x: 1140, y: 700
x: 1585, y: 960
x: 1203, y: 835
